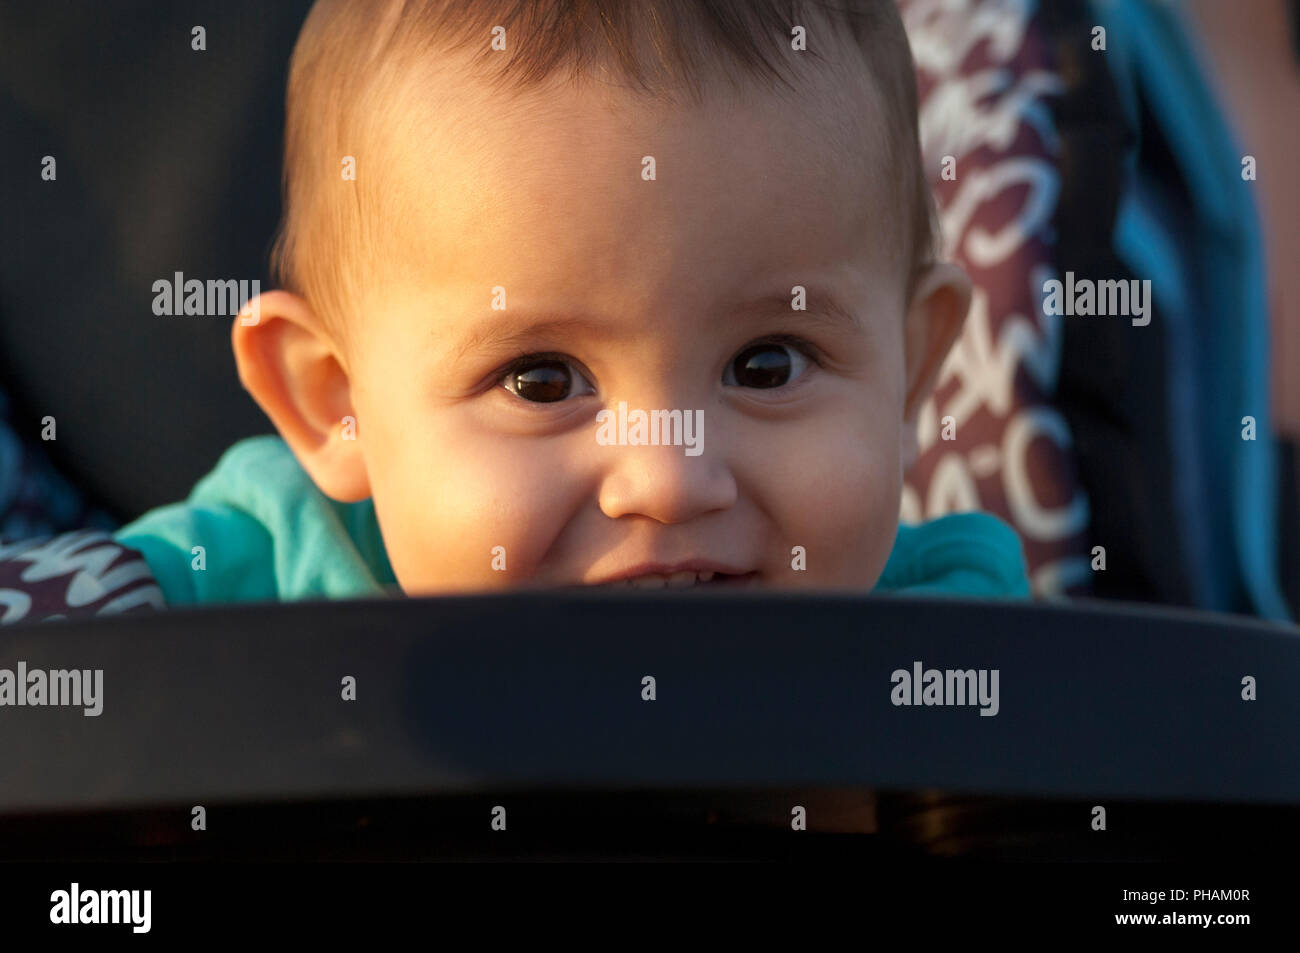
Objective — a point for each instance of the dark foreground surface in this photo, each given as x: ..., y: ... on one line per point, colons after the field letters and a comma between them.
x: 523, y: 727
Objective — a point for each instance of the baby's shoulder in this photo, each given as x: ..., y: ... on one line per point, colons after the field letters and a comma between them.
x: 970, y: 554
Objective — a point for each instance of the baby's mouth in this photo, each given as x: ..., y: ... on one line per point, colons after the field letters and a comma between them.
x: 686, y: 579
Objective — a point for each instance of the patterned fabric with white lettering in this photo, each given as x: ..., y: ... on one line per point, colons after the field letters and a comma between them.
x: 78, y: 574
x: 990, y: 438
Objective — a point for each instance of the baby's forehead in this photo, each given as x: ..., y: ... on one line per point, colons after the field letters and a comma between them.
x: 569, y: 171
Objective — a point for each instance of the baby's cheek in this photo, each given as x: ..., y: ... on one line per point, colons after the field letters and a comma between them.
x: 842, y: 508
x: 858, y: 527
x: 470, y: 521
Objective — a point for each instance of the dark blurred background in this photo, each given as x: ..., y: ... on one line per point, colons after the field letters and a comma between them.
x: 168, y: 160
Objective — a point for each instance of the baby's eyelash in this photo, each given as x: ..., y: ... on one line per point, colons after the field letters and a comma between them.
x: 527, y: 360
x: 804, y: 346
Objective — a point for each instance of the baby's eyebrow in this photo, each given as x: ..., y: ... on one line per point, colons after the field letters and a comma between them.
x: 820, y: 307
x: 515, y: 330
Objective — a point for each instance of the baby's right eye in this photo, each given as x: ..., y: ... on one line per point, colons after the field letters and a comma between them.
x: 545, y: 379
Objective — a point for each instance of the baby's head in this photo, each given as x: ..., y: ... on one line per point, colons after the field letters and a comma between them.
x: 502, y: 218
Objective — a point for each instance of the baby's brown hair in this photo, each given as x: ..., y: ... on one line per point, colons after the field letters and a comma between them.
x: 353, y: 56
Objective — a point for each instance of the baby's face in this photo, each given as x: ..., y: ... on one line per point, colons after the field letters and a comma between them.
x: 478, y: 425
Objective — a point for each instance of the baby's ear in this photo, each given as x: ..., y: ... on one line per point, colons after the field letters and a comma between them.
x: 934, y: 322
x: 294, y: 369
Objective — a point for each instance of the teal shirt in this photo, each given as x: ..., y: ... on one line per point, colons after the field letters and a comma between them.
x: 267, y: 533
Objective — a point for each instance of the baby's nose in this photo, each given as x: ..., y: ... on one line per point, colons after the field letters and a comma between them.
x: 665, y: 483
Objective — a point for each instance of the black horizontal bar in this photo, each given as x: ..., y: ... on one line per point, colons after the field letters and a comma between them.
x: 535, y: 692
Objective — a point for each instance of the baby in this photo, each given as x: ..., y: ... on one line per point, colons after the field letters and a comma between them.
x: 585, y: 292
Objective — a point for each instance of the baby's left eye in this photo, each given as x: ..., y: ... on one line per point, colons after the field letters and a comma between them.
x: 545, y: 379
x: 766, y: 365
